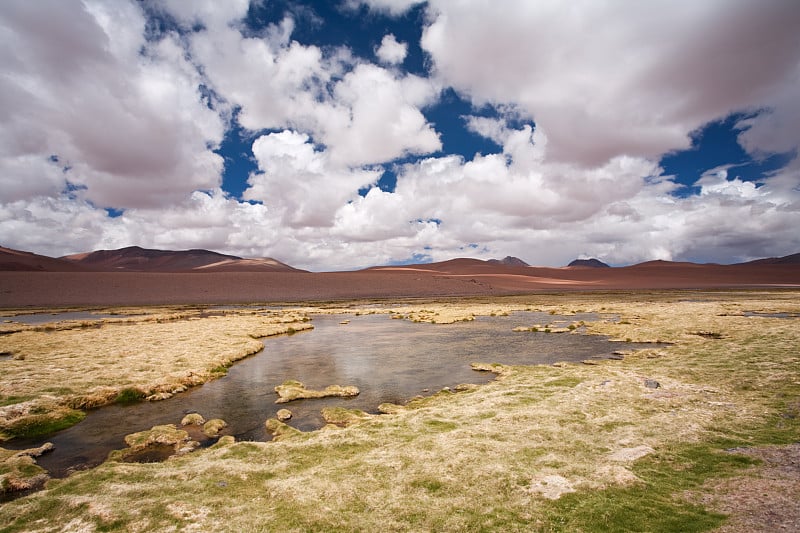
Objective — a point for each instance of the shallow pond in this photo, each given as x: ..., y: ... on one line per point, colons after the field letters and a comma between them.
x: 388, y: 360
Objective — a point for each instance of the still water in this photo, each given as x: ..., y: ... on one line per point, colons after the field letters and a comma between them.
x: 388, y: 360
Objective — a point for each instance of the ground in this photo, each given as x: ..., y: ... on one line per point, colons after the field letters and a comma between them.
x: 697, y: 435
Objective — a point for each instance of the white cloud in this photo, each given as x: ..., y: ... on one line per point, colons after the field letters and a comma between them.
x: 299, y: 182
x: 131, y: 125
x: 616, y: 78
x: 363, y: 113
x: 391, y: 51
x: 126, y: 116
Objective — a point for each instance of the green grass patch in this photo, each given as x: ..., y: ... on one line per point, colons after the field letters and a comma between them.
x: 440, y: 425
x: 563, y: 382
x: 657, y: 503
x: 429, y: 484
x: 129, y: 396
x: 11, y: 400
x: 43, y: 424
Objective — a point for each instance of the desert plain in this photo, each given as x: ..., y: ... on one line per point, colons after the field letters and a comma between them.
x: 699, y: 433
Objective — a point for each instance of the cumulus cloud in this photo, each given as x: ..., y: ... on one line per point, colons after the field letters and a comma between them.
x: 363, y: 113
x: 605, y: 79
x: 124, y: 117
x: 391, y: 51
x: 299, y: 182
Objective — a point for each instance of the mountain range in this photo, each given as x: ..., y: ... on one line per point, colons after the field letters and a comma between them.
x: 137, y: 259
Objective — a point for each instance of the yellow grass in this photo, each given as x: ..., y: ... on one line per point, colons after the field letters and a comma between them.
x: 568, y: 447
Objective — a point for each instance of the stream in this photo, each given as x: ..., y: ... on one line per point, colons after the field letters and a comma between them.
x: 388, y: 360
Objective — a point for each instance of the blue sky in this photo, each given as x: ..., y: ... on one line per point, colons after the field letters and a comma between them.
x: 344, y: 134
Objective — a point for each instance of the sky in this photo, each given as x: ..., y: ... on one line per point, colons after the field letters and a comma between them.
x: 342, y: 134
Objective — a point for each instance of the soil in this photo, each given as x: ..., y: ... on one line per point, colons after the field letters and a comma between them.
x: 767, y: 498
x: 454, y: 278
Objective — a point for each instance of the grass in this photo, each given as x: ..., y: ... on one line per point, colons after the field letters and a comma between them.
x: 65, y: 366
x: 617, y: 455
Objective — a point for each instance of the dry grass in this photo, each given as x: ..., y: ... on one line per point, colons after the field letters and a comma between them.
x: 58, y: 369
x: 545, y: 448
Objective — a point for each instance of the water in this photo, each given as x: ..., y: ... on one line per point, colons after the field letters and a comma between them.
x: 388, y: 360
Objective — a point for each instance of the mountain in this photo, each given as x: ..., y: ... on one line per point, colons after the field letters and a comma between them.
x: 509, y: 261
x: 137, y: 259
x: 793, y: 259
x: 16, y: 260
x: 591, y: 263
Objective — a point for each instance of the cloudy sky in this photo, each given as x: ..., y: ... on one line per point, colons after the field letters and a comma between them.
x: 342, y: 134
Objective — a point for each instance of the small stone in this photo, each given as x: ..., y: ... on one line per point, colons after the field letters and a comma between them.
x: 652, y: 384
x: 283, y: 414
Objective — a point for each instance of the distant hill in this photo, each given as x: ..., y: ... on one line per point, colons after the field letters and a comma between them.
x: 793, y: 259
x: 509, y: 261
x: 16, y: 260
x: 137, y: 259
x: 592, y: 263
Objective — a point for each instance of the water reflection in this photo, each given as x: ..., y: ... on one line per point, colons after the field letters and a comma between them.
x: 388, y: 360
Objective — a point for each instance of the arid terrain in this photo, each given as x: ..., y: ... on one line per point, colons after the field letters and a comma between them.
x: 134, y: 276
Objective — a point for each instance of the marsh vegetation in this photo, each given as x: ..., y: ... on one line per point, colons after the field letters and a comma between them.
x: 558, y: 447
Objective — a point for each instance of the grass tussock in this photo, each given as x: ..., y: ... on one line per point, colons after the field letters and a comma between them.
x: 546, y: 448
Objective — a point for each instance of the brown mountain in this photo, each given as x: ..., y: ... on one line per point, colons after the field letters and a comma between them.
x: 793, y: 259
x: 137, y: 259
x: 16, y: 260
x: 509, y: 261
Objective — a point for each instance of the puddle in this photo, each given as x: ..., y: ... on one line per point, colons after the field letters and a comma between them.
x: 388, y: 360
x: 770, y: 315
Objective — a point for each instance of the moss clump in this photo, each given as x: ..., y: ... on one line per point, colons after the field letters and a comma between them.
x: 193, y: 419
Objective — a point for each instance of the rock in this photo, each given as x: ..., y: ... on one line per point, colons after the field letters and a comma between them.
x: 652, y: 384
x: 193, y: 419
x: 551, y: 486
x: 212, y: 428
x: 631, y: 454
x: 157, y: 397
x: 284, y: 414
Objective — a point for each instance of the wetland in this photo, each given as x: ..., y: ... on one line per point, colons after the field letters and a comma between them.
x: 664, y: 438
